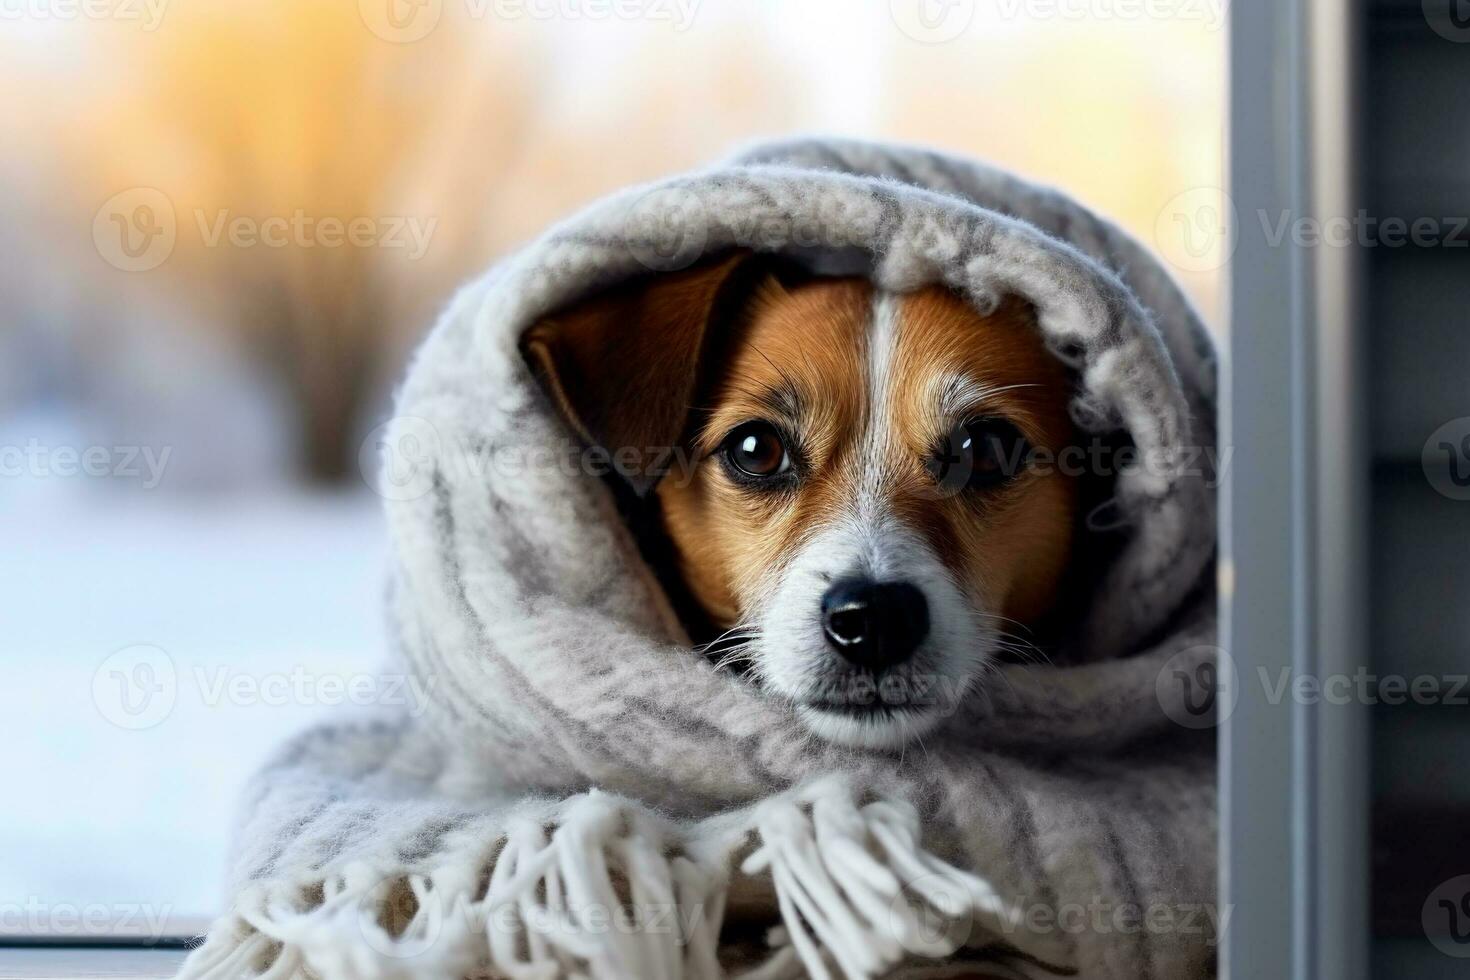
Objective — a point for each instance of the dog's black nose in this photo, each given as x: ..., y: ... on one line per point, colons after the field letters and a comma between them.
x: 875, y: 625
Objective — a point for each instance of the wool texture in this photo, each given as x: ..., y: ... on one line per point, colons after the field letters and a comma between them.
x: 583, y: 795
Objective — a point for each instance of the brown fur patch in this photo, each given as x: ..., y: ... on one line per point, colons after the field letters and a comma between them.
x: 1008, y: 545
x: 798, y: 363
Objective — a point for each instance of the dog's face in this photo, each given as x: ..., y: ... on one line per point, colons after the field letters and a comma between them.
x: 860, y: 511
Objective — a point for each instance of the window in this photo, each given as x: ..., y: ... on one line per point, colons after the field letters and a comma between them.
x: 225, y: 226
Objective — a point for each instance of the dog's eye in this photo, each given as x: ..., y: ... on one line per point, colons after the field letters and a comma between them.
x: 755, y: 449
x: 979, y: 454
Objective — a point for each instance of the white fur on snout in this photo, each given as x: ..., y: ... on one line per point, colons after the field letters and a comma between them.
x: 865, y: 540
x: 796, y: 661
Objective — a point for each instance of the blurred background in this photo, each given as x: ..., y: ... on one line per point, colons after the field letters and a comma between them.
x: 223, y: 226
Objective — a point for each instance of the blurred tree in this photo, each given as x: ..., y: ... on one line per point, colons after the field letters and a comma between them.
x: 298, y: 114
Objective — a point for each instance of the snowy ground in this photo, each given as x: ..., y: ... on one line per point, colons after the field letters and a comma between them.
x: 156, y: 649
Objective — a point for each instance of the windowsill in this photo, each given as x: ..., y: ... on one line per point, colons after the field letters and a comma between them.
x: 89, y: 962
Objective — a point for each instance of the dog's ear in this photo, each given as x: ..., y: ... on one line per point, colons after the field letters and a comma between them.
x: 624, y: 367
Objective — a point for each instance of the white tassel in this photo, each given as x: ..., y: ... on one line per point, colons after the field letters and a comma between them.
x: 228, y: 956
x: 700, y: 904
x: 599, y: 897
x: 344, y: 936
x: 567, y: 918
x: 856, y: 889
x: 596, y: 898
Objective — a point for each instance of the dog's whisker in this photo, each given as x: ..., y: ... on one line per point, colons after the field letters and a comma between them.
x: 1005, y: 641
x: 715, y: 646
x: 1020, y: 647
x: 993, y: 617
x: 743, y: 652
x: 738, y: 642
x: 727, y: 664
x: 919, y: 738
x: 742, y: 633
x: 1029, y: 653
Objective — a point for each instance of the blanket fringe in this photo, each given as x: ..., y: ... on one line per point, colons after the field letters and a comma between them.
x: 602, y: 898
x: 856, y: 889
x: 604, y: 889
x: 603, y: 895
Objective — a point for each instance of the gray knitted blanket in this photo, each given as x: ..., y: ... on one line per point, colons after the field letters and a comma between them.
x: 587, y: 796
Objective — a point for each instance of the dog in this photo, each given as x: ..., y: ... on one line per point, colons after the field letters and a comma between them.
x: 861, y: 524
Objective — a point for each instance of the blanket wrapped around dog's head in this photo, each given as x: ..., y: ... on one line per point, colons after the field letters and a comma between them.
x: 586, y: 795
